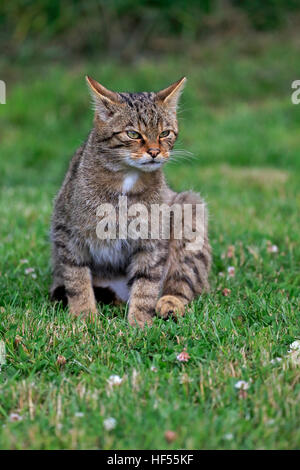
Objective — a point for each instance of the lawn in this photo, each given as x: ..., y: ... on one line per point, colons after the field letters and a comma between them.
x: 238, y: 121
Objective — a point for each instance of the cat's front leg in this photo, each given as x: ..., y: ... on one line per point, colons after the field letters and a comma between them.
x: 146, y: 277
x: 79, y: 291
x: 71, y: 271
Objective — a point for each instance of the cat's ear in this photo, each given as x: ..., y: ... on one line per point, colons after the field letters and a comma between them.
x: 170, y: 96
x: 106, y: 102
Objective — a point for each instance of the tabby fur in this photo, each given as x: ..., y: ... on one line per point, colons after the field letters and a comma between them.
x: 156, y: 276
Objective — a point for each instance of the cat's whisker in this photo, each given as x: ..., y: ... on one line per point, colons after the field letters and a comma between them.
x: 182, y: 151
x: 175, y: 160
x: 182, y: 155
x: 180, y: 159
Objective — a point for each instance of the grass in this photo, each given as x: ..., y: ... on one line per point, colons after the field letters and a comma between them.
x: 238, y: 120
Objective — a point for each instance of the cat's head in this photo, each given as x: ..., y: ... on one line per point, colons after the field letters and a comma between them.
x: 136, y: 129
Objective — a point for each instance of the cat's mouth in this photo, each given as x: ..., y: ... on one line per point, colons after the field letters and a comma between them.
x: 151, y: 165
x: 145, y: 164
x: 151, y: 162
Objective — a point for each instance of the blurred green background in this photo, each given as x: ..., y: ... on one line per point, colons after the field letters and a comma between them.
x: 240, y: 58
x: 128, y: 28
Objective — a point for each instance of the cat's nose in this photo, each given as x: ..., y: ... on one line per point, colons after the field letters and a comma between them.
x: 153, y: 152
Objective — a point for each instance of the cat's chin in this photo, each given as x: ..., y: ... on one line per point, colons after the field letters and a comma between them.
x: 147, y: 167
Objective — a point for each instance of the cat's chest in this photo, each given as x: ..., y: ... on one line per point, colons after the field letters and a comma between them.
x: 121, y: 222
x: 129, y: 182
x: 111, y: 255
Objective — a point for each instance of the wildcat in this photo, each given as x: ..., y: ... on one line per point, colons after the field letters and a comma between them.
x: 132, y: 138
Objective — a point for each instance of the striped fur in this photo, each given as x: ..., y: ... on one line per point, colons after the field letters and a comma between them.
x: 160, y: 276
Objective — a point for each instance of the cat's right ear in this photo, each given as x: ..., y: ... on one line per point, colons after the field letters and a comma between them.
x: 106, y: 102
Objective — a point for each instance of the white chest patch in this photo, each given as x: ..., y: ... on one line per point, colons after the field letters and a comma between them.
x: 113, y: 253
x: 129, y: 181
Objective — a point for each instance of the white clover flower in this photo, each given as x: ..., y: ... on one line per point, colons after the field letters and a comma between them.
x: 183, y: 356
x: 29, y: 270
x: 241, y: 384
x: 79, y: 414
x: 114, y: 380
x: 153, y: 369
x: 295, y: 346
x: 109, y: 424
x: 15, y: 417
x: 277, y: 359
x: 231, y: 271
x: 228, y: 436
x: 294, y: 353
x: 2, y: 353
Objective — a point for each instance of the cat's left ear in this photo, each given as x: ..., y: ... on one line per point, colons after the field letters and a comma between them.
x: 170, y: 96
x: 107, y: 102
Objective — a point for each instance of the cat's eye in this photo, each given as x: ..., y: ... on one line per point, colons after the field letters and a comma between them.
x: 133, y: 135
x: 164, y: 134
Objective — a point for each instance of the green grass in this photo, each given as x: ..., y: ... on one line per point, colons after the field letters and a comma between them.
x: 238, y: 120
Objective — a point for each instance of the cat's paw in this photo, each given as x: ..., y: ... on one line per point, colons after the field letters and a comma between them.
x: 139, y: 319
x: 169, y: 305
x: 87, y: 314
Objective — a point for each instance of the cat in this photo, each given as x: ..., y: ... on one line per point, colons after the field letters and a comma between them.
x: 131, y: 139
